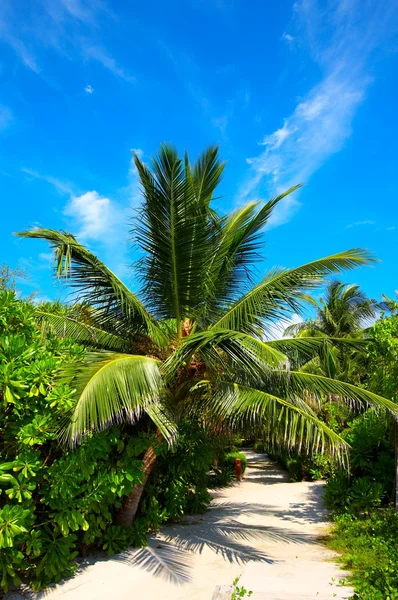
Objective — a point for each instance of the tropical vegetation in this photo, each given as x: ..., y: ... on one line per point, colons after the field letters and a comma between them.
x: 118, y: 404
x: 192, y: 338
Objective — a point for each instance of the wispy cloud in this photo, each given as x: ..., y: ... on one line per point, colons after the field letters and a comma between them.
x: 359, y: 224
x: 63, y: 187
x: 5, y: 117
x: 71, y: 27
x: 287, y: 37
x: 99, y: 54
x: 341, y: 38
x: 89, y: 89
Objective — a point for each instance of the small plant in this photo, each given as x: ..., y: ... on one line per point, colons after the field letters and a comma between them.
x: 239, y: 591
x: 369, y: 550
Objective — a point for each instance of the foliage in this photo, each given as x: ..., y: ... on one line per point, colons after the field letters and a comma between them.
x: 229, y: 460
x: 56, y: 503
x: 239, y: 591
x: 343, y: 313
x: 301, y: 467
x: 198, y: 317
x: 223, y: 473
x: 372, y: 467
x: 179, y: 483
x: 8, y: 277
x: 370, y: 551
x: 383, y: 355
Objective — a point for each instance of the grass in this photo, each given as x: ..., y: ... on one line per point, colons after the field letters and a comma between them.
x: 369, y: 549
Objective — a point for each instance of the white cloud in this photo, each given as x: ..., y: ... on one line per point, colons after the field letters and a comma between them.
x: 92, y: 214
x: 62, y: 187
x: 287, y: 37
x: 359, y: 224
x: 99, y: 54
x: 341, y: 39
x: 5, y: 117
x: 70, y: 27
x: 89, y: 89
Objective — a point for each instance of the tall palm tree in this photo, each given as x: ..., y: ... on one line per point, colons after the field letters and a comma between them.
x: 344, y: 312
x: 192, y: 340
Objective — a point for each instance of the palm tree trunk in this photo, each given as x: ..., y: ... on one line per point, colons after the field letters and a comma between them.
x: 126, y: 514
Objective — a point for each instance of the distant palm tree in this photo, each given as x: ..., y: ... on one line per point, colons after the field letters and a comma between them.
x: 192, y: 340
x: 344, y: 312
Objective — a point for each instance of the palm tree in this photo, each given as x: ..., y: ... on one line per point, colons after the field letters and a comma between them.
x: 344, y: 312
x: 191, y: 340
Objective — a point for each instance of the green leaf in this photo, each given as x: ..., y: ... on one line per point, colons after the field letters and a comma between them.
x: 113, y: 388
x: 117, y: 308
x: 282, y: 291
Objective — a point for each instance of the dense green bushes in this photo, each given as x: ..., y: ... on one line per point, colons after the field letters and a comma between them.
x: 371, y: 480
x: 55, y: 503
x: 370, y: 550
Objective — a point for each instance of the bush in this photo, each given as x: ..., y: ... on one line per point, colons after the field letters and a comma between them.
x: 301, y: 467
x: 229, y: 460
x: 372, y: 467
x: 179, y: 482
x: 223, y: 473
x: 370, y: 550
x: 55, y: 503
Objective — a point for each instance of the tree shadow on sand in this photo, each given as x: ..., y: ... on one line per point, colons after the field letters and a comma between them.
x: 170, y: 554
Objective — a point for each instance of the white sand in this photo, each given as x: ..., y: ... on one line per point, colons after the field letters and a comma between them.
x: 264, y: 529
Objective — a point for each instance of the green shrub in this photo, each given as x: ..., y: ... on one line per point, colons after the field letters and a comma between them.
x: 56, y: 503
x: 259, y: 447
x: 371, y: 464
x: 295, y: 468
x: 223, y: 472
x: 229, y: 460
x: 302, y: 467
x: 180, y: 481
x: 369, y: 548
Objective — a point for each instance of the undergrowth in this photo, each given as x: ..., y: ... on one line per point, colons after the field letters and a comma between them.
x: 369, y: 549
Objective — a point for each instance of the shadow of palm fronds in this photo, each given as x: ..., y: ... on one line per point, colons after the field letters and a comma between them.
x: 163, y: 559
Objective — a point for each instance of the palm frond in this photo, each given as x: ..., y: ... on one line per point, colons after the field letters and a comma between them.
x: 300, y: 382
x: 344, y: 311
x: 116, y: 306
x: 174, y: 231
x: 114, y: 388
x: 211, y: 345
x: 88, y: 335
x: 206, y: 174
x: 237, y: 250
x: 290, y: 421
x: 281, y: 291
x: 307, y: 346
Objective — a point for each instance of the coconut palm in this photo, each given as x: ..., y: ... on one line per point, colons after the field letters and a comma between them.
x: 192, y: 340
x: 344, y: 312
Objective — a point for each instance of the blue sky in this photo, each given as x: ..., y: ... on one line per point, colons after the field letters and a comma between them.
x: 302, y: 92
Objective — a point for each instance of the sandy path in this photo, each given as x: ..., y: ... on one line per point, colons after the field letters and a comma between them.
x: 265, y: 529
